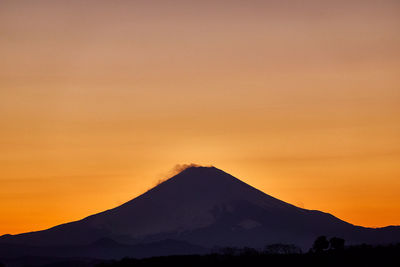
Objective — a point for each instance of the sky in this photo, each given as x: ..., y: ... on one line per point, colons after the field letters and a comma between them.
x: 99, y: 100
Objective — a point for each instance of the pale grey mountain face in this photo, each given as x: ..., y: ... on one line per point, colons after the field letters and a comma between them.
x: 206, y: 207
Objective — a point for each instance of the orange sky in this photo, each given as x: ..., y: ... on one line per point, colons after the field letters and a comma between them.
x: 100, y: 99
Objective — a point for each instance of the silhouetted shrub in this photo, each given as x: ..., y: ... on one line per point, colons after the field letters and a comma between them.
x: 246, y: 251
x: 320, y: 244
x: 282, y: 249
x: 229, y: 251
x: 337, y: 243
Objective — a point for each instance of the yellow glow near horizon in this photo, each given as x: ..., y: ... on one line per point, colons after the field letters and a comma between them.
x: 99, y: 100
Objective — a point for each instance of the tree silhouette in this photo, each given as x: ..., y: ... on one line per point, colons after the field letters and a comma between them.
x: 247, y: 251
x: 282, y: 249
x: 337, y: 243
x: 320, y: 244
x: 229, y: 251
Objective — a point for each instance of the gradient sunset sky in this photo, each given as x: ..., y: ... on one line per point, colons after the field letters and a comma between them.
x: 101, y: 99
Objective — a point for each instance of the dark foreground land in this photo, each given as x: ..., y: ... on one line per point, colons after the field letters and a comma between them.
x: 363, y: 255
x: 354, y: 256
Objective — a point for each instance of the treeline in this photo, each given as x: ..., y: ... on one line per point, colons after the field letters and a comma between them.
x: 324, y: 252
x: 278, y: 255
x: 322, y: 243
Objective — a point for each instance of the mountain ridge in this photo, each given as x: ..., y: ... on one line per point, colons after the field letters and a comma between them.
x: 206, y: 207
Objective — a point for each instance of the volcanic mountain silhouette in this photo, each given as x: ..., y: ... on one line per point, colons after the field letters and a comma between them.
x: 204, y: 207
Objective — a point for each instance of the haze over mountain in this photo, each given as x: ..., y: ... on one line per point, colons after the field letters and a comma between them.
x: 198, y: 209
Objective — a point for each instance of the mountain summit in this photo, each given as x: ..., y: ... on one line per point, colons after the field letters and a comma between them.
x: 205, y: 207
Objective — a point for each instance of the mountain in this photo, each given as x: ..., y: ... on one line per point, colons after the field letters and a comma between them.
x: 201, y: 208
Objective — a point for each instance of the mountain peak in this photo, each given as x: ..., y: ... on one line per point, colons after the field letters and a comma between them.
x: 192, y: 167
x: 209, y: 175
x: 197, y: 169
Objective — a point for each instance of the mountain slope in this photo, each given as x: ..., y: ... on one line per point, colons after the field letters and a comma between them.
x: 208, y: 207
